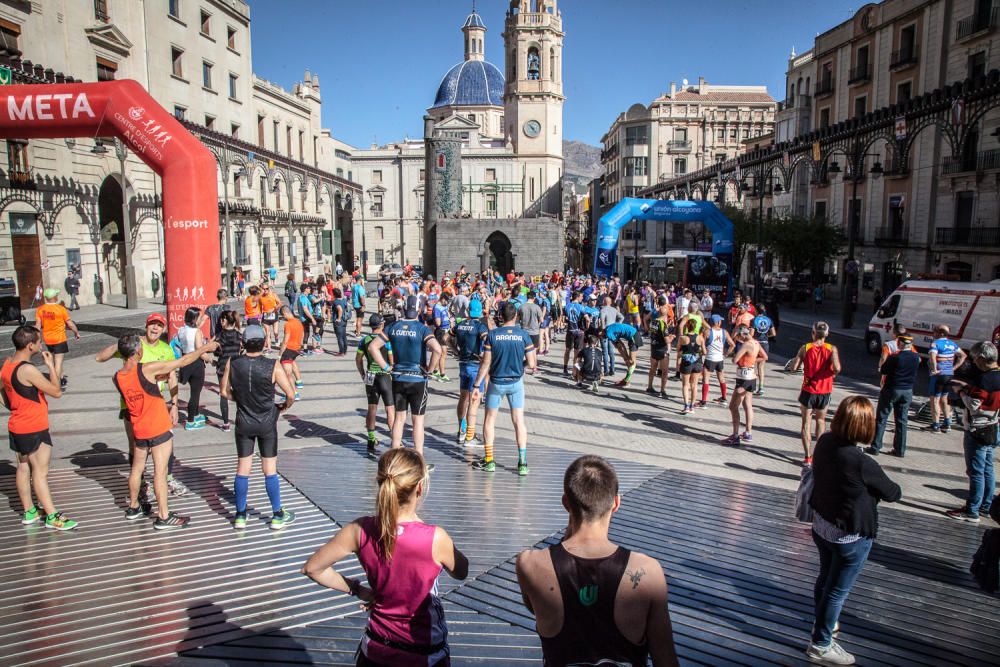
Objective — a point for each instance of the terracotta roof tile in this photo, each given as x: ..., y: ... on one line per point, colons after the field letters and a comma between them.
x: 721, y: 96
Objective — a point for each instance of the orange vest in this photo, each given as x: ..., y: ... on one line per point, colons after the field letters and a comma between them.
x: 145, y: 404
x: 29, y: 411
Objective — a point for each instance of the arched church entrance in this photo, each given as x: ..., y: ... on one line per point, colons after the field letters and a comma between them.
x: 109, y: 211
x: 499, y: 255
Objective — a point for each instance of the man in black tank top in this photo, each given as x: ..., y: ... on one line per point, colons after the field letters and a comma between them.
x: 249, y: 380
x: 573, y: 588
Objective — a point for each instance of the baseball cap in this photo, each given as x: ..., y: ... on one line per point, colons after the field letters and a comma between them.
x: 156, y: 318
x: 411, y: 307
x: 476, y: 308
x: 716, y: 319
x: 375, y: 320
x: 253, y: 332
x: 50, y: 293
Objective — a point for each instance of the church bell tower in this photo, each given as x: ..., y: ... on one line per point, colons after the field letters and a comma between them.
x: 533, y: 92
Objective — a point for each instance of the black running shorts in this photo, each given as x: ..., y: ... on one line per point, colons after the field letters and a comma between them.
x: 267, y: 443
x: 748, y: 386
x: 28, y: 443
x: 410, y: 397
x: 715, y: 366
x: 58, y: 348
x: 691, y: 368
x: 146, y: 443
x: 380, y: 390
x: 288, y: 356
x: 658, y: 353
x: 814, y: 401
x: 574, y: 339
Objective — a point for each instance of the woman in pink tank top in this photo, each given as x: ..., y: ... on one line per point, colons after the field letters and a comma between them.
x: 402, y: 557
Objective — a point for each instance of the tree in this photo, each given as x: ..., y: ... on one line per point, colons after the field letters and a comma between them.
x: 745, y: 234
x: 805, y: 243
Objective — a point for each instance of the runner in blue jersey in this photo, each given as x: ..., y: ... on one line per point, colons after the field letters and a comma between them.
x: 504, y: 355
x: 574, y: 329
x: 590, y: 316
x: 628, y: 340
x: 763, y: 331
x: 944, y: 357
x: 470, y: 338
x: 358, y: 303
x: 410, y: 340
x: 441, y: 324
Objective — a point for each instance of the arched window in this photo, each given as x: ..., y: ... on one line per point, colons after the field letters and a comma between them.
x: 552, y: 64
x: 380, y: 233
x: 534, y: 65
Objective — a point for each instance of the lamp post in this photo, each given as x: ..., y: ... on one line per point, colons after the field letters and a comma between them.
x: 131, y: 295
x: 759, y: 189
x: 851, y: 268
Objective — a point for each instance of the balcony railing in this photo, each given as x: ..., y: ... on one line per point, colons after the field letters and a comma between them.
x: 976, y: 23
x: 903, y: 57
x: 982, y: 161
x: 824, y: 87
x: 860, y: 74
x: 892, y: 236
x: 968, y: 236
x: 21, y: 180
x: 377, y: 212
x: 679, y: 146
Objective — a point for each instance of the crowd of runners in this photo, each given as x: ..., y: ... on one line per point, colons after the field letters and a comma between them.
x: 489, y: 330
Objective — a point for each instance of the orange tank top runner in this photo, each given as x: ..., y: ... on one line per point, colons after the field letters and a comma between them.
x: 146, y: 407
x: 53, y: 317
x: 29, y: 411
x: 817, y: 370
x: 251, y: 308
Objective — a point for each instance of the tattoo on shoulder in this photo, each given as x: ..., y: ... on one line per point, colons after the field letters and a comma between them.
x: 635, y: 576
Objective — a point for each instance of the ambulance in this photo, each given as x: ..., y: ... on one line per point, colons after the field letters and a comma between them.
x: 970, y: 310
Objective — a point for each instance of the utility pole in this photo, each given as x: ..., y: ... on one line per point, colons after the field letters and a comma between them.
x: 131, y: 294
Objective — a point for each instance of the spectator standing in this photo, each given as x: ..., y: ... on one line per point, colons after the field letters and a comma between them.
x: 72, y: 285
x: 899, y: 373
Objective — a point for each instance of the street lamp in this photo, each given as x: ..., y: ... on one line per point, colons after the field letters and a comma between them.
x: 760, y: 190
x: 856, y: 164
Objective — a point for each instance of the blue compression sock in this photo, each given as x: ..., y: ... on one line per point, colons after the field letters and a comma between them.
x: 241, y: 486
x: 461, y: 425
x: 273, y: 486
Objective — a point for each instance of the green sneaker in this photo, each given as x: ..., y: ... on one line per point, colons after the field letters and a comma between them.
x: 59, y: 522
x: 31, y: 516
x: 522, y: 469
x: 240, y: 522
x: 484, y: 465
x: 281, y: 519
x: 444, y: 378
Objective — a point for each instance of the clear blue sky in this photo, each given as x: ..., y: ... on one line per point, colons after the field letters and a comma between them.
x: 380, y: 61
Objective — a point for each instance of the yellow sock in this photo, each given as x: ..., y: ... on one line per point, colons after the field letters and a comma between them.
x: 489, y: 452
x: 470, y: 432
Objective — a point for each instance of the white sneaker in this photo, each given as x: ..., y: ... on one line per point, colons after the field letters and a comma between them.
x: 475, y: 442
x: 834, y: 654
x: 176, y: 487
x: 461, y: 438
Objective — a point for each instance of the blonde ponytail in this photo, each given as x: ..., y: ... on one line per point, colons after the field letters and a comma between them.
x: 399, y: 472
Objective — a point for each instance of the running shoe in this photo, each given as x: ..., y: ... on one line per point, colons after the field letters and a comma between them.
x: 282, y: 518
x: 807, y: 461
x: 945, y: 427
x: 298, y: 396
x: 934, y: 428
x: 31, y: 516
x: 298, y: 384
x: 963, y: 514
x: 747, y: 436
x: 63, y: 381
x: 226, y: 427
x: 703, y: 405
x: 60, y: 522
x: 176, y: 487
x: 171, y: 522
x: 193, y: 426
x: 759, y: 392
x: 721, y: 400
x: 651, y: 391
x: 143, y: 510
x: 663, y: 394
x: 734, y: 439
x: 444, y: 378
x: 473, y: 442
x: 240, y: 521
x: 200, y: 418
x: 460, y: 438
x: 484, y: 465
x: 593, y: 387
x: 522, y: 469
x: 621, y: 383
x: 834, y: 654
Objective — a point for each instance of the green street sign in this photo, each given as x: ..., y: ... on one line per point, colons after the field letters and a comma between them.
x: 6, y: 77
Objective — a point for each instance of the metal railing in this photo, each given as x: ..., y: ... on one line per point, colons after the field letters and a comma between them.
x: 860, y: 73
x: 377, y: 212
x: 968, y: 236
x: 679, y: 146
x: 824, y: 87
x: 21, y: 180
x: 975, y: 23
x: 904, y: 57
x: 892, y: 235
x: 981, y: 161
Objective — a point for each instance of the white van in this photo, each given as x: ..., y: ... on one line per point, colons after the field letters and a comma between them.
x: 970, y: 310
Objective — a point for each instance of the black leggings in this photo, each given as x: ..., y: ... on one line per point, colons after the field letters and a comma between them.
x: 194, y: 377
x: 223, y: 401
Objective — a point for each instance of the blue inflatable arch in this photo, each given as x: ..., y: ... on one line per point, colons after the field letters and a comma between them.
x: 671, y: 210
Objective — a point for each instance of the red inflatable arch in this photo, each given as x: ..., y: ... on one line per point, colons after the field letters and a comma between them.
x: 190, y: 195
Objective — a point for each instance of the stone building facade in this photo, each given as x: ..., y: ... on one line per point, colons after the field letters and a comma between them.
x: 61, y: 201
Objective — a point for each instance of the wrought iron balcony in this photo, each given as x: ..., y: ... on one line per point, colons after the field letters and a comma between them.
x: 981, y: 161
x: 892, y: 236
x: 976, y: 23
x: 860, y: 74
x: 904, y: 57
x: 21, y: 180
x: 679, y: 146
x: 968, y: 236
x: 824, y: 87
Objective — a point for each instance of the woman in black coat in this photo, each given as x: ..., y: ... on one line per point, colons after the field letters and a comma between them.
x: 847, y: 486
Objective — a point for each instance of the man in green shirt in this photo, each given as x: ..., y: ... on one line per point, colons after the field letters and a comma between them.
x: 378, y: 380
x: 154, y: 348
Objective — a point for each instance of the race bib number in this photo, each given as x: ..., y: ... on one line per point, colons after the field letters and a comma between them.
x: 369, y: 378
x: 746, y: 373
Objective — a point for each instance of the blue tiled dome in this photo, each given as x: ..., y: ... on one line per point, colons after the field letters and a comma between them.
x: 473, y: 82
x: 474, y: 21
